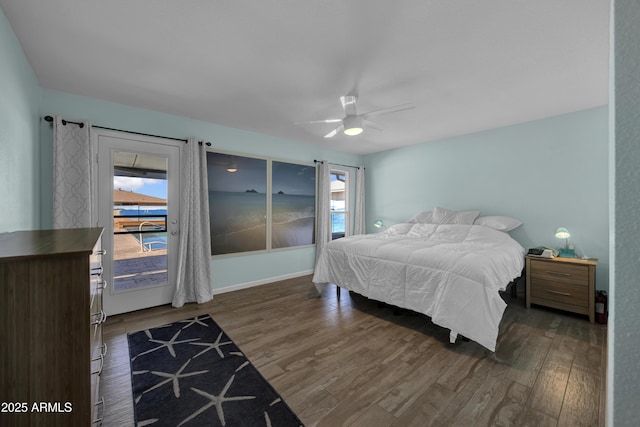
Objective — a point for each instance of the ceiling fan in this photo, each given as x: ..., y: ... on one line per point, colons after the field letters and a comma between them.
x: 353, y: 123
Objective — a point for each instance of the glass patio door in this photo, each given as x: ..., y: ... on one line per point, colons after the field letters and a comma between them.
x: 138, y: 206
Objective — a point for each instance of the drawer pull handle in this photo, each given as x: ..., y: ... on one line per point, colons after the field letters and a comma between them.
x: 98, y: 421
x: 101, y: 252
x: 103, y: 285
x: 101, y: 359
x: 559, y: 293
x: 557, y: 273
x: 99, y: 318
x: 96, y: 271
x: 103, y: 352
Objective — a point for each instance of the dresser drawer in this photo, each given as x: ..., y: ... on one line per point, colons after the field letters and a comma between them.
x: 577, y: 295
x: 562, y: 273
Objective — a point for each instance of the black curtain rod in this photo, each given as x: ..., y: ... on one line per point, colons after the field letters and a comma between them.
x: 337, y: 164
x: 64, y: 122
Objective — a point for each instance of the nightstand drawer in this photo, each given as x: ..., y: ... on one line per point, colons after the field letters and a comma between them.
x: 577, y: 295
x: 563, y: 273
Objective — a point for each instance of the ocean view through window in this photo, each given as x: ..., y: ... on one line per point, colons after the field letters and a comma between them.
x: 339, y: 203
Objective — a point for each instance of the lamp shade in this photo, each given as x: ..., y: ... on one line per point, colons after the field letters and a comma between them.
x: 352, y: 125
x: 562, y: 233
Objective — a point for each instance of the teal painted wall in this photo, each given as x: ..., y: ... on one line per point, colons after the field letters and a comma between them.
x: 547, y: 173
x: 227, y: 271
x: 19, y: 137
x: 624, y: 315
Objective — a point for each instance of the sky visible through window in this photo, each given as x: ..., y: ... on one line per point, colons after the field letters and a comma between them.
x: 147, y: 186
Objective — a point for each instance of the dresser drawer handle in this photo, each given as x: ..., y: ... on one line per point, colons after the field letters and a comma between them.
x: 557, y: 273
x: 101, y: 252
x: 99, y: 318
x: 101, y: 359
x: 103, y: 352
x: 103, y: 285
x: 96, y: 271
x: 559, y: 293
x: 98, y: 421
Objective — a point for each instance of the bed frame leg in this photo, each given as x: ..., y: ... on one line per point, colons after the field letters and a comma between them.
x: 497, y: 359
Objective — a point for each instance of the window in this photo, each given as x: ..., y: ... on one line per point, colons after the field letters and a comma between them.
x: 339, y: 203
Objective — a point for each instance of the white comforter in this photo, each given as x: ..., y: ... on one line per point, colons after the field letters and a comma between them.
x: 449, y: 272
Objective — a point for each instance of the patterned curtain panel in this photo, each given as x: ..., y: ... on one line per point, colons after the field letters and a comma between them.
x: 323, y: 220
x: 359, y: 223
x: 194, y: 257
x: 72, y: 174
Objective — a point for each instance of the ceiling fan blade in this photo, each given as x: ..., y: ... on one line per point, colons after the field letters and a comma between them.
x: 388, y: 110
x: 349, y: 104
x: 335, y: 131
x: 319, y: 121
x: 372, y: 125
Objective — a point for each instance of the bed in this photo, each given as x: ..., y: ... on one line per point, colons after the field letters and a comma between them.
x: 448, y: 265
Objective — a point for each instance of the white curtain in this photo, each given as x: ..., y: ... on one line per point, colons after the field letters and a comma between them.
x: 323, y: 220
x: 194, y: 257
x: 359, y: 226
x: 73, y: 179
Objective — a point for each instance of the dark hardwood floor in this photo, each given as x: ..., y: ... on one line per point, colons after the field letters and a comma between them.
x: 353, y: 362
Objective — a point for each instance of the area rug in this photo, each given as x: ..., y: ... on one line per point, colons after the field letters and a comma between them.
x: 190, y: 373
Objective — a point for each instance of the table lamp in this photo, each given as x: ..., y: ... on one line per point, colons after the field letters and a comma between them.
x: 379, y: 224
x: 566, y: 252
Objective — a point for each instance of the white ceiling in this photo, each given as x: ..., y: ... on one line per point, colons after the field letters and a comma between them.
x: 263, y: 65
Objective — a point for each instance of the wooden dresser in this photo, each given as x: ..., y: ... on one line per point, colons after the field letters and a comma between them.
x: 51, y: 319
x: 564, y: 283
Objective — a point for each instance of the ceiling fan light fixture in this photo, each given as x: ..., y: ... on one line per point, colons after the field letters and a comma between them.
x: 353, y: 125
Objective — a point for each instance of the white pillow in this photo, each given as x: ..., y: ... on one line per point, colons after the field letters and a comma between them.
x: 425, y: 217
x: 446, y: 216
x: 422, y: 230
x: 402, y: 228
x: 502, y: 223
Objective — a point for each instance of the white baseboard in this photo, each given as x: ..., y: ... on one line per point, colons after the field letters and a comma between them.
x: 260, y: 282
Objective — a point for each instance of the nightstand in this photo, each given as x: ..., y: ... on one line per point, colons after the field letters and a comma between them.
x: 563, y: 283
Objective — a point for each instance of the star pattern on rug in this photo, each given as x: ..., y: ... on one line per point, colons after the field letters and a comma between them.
x: 217, y: 401
x: 170, y: 378
x: 194, y: 321
x: 246, y: 363
x: 215, y: 345
x: 164, y: 344
x: 180, y: 386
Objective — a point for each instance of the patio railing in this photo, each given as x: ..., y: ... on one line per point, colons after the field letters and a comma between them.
x: 140, y: 225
